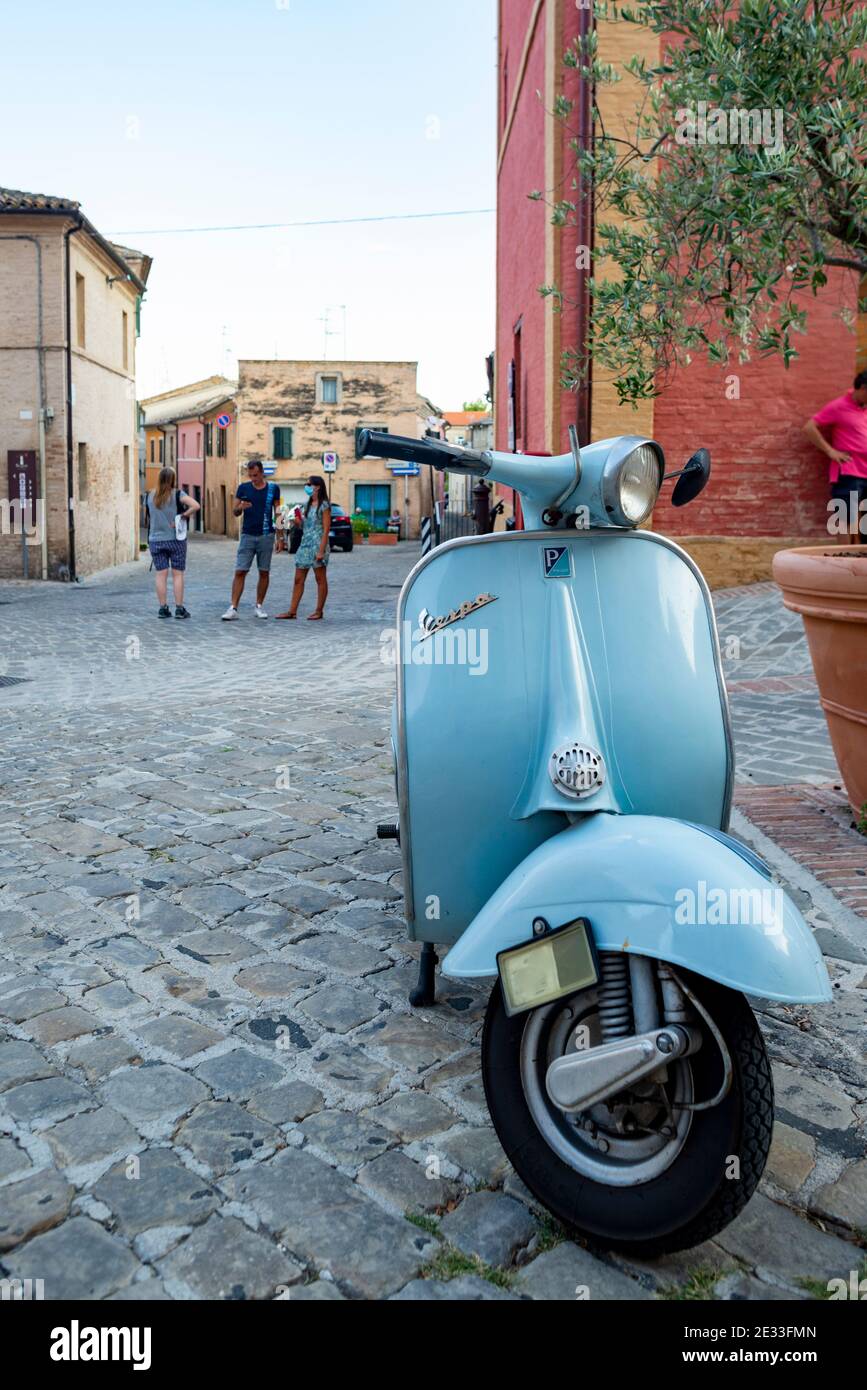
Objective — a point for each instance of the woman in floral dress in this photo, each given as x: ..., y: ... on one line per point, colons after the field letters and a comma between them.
x: 313, y: 551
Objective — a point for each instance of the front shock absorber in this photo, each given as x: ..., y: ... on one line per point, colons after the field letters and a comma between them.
x: 615, y: 998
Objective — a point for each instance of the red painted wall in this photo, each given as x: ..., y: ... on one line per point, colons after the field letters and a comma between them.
x: 521, y: 227
x: 767, y: 480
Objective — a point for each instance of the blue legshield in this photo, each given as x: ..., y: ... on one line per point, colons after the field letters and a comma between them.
x: 659, y: 888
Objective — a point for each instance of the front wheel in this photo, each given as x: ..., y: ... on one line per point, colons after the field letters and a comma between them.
x: 644, y: 1171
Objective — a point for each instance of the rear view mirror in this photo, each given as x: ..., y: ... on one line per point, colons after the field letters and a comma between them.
x: 692, y: 479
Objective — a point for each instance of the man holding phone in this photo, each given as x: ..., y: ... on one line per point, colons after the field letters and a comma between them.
x: 257, y: 501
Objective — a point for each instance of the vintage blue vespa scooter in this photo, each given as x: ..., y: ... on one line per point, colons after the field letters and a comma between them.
x: 564, y: 773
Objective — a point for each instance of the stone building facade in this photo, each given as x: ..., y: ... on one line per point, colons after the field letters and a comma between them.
x: 69, y: 312
x: 292, y: 413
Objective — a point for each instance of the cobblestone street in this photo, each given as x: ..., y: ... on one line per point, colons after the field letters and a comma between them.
x: 211, y: 1082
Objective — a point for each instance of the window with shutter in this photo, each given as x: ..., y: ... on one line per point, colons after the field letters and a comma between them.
x: 282, y: 442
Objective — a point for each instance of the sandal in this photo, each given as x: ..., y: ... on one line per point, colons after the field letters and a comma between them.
x: 284, y: 617
x: 315, y: 617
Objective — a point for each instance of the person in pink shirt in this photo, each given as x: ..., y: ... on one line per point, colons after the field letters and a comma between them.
x: 839, y: 429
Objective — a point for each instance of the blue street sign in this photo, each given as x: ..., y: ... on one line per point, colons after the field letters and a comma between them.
x: 269, y: 469
x: 411, y: 472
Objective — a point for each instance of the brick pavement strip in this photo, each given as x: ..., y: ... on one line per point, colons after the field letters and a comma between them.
x: 211, y: 1083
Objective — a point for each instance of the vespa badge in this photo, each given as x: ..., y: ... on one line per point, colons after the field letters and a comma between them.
x: 429, y: 625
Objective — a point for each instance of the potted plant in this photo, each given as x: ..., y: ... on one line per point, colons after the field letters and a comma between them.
x: 361, y: 529
x: 827, y: 585
x: 382, y: 537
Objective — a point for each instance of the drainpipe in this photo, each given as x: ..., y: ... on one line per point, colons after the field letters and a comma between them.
x: 40, y: 362
x: 70, y: 466
x: 586, y: 236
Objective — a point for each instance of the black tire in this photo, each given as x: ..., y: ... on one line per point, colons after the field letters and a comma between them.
x: 694, y: 1198
x: 347, y: 549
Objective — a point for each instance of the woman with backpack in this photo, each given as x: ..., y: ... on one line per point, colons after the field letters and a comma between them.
x: 169, y: 510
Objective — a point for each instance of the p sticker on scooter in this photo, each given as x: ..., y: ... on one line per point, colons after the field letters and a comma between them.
x: 557, y: 560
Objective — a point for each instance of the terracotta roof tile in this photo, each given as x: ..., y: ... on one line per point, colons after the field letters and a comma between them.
x: 14, y: 200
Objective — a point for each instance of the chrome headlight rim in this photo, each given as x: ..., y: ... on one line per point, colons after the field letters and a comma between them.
x: 612, y: 474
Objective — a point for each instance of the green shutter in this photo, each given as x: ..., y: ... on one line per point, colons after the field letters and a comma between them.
x: 283, y: 441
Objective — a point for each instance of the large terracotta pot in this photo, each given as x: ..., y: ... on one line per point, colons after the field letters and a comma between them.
x: 827, y: 585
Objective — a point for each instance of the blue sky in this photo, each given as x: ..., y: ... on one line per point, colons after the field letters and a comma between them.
x: 194, y: 114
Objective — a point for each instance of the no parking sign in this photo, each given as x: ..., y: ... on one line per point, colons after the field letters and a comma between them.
x: 223, y: 422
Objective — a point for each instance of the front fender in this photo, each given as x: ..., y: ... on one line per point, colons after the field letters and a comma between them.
x: 659, y: 888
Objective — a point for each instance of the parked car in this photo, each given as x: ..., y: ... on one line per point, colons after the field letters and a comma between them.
x: 341, y: 529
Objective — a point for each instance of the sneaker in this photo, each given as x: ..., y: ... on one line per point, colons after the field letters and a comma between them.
x: 181, y: 612
x: 230, y: 615
x: 164, y: 612
x: 260, y: 611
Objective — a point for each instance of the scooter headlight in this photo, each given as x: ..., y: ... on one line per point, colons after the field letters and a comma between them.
x: 631, y: 483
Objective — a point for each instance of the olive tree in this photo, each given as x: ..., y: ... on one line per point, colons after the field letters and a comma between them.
x: 740, y: 183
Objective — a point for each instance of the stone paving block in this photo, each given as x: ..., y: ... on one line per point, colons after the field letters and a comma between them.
x: 811, y: 1100
x: 792, y: 1157
x: 179, y: 1036
x: 346, y: 1138
x: 101, y: 886
x: 340, y: 1008
x: 568, y: 1272
x: 282, y: 1105
x: 326, y: 1220
x: 21, y: 1061
x: 350, y: 1068
x: 405, y: 1185
x: 489, y: 1226
x: 215, y: 947
x: 413, y: 1115
x: 153, y: 1092
x: 276, y: 980
x: 61, y: 1025
x: 114, y: 997
x: 320, y: 1291
x: 145, y: 1291
x: 13, y: 1159
x: 743, y: 1288
x: 29, y: 1003
x: 340, y: 953
x: 475, y: 1151
x: 166, y: 920
x: 221, y: 1135
x: 305, y: 899
x: 87, y: 1138
x: 53, y: 1098
x: 767, y: 1236
x: 468, y: 1288
x: 213, y: 900
x: 846, y: 1199
x: 77, y: 1260
x: 285, y: 1035
x: 236, y: 1074
x: 34, y: 1204
x: 73, y: 837
x: 409, y: 1042
x: 223, y: 1260
x: 100, y: 1056
x: 157, y: 1190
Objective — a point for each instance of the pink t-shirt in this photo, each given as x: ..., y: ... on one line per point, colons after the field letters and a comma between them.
x: 844, y: 424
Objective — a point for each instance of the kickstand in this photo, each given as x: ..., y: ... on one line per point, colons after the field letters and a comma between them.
x: 424, y: 994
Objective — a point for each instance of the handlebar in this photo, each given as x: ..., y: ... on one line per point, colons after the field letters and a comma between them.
x: 376, y: 444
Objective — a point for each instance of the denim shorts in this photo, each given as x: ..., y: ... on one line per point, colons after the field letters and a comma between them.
x: 259, y: 548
